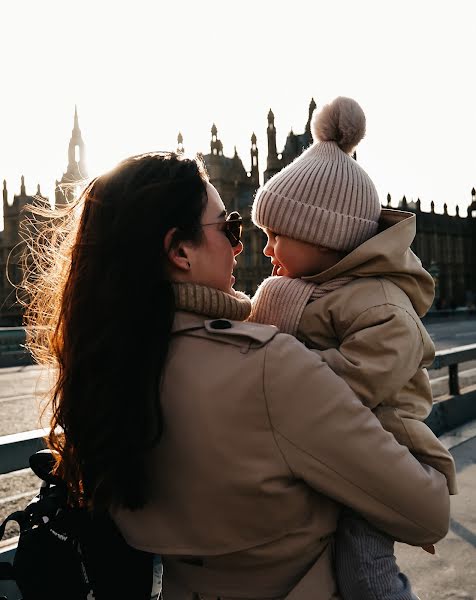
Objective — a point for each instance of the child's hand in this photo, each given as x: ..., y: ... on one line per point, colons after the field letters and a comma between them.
x: 429, y: 548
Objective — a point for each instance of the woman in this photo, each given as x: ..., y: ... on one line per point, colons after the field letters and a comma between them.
x: 203, y: 435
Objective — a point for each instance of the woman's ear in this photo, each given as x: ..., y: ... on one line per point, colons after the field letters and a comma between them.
x: 177, y: 252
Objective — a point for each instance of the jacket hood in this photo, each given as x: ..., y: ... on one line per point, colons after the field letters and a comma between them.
x: 388, y: 254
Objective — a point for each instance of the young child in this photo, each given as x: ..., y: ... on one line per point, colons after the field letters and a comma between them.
x: 346, y: 282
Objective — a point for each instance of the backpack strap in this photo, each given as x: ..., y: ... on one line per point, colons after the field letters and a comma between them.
x: 18, y: 516
x: 7, y: 572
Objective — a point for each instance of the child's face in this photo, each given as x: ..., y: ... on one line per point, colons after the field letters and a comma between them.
x: 293, y: 258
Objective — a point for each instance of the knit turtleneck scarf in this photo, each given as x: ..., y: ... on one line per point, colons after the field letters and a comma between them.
x: 281, y: 300
x: 210, y: 302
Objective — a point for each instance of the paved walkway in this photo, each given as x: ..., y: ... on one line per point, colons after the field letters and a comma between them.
x: 451, y: 573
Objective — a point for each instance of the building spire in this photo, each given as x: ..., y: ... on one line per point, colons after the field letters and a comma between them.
x: 76, y: 122
x: 22, y: 186
x: 272, y: 164
x: 254, y: 161
x: 76, y: 160
x: 76, y: 170
x: 180, y: 148
x: 215, y: 145
x: 312, y: 108
x: 5, y: 197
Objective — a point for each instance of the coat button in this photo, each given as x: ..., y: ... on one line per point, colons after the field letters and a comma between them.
x: 221, y: 324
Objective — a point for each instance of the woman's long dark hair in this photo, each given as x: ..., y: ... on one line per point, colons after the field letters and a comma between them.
x: 101, y: 310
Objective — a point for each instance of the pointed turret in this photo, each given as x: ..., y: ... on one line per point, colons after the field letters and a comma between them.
x: 312, y: 108
x: 5, y: 199
x: 22, y: 186
x: 180, y: 148
x: 254, y: 161
x: 272, y: 164
x: 76, y: 170
x: 472, y: 206
x: 215, y: 145
x: 76, y: 165
x: 7, y: 226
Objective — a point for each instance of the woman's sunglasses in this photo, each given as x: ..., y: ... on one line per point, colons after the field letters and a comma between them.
x: 233, y: 227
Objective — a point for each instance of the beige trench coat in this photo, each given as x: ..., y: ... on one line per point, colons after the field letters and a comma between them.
x: 370, y: 333
x: 261, y: 443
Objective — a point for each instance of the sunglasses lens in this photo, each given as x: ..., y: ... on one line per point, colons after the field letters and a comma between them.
x: 234, y: 228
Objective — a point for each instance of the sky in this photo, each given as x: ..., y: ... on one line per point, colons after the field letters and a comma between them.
x: 140, y: 72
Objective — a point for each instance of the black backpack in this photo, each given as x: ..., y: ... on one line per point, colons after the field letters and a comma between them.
x: 69, y: 553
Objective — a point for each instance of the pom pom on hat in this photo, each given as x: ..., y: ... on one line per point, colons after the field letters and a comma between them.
x: 324, y: 197
x: 342, y: 121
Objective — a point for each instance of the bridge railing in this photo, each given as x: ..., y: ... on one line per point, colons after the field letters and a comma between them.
x: 451, y: 358
x: 449, y: 412
x: 13, y: 353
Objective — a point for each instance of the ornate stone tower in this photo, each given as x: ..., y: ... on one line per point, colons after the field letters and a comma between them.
x: 296, y: 143
x: 180, y: 148
x: 273, y: 164
x: 76, y: 170
x: 472, y: 206
x: 254, y: 174
x: 312, y: 108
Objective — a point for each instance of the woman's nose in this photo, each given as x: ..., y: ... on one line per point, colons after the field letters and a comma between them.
x: 238, y: 249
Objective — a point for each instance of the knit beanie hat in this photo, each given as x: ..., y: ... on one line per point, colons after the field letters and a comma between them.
x: 324, y: 197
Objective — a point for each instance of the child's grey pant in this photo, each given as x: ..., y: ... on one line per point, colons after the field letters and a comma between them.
x: 366, y: 568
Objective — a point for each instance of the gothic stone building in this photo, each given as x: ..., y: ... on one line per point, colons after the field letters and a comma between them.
x: 15, y: 227
x: 237, y: 188
x: 445, y: 244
